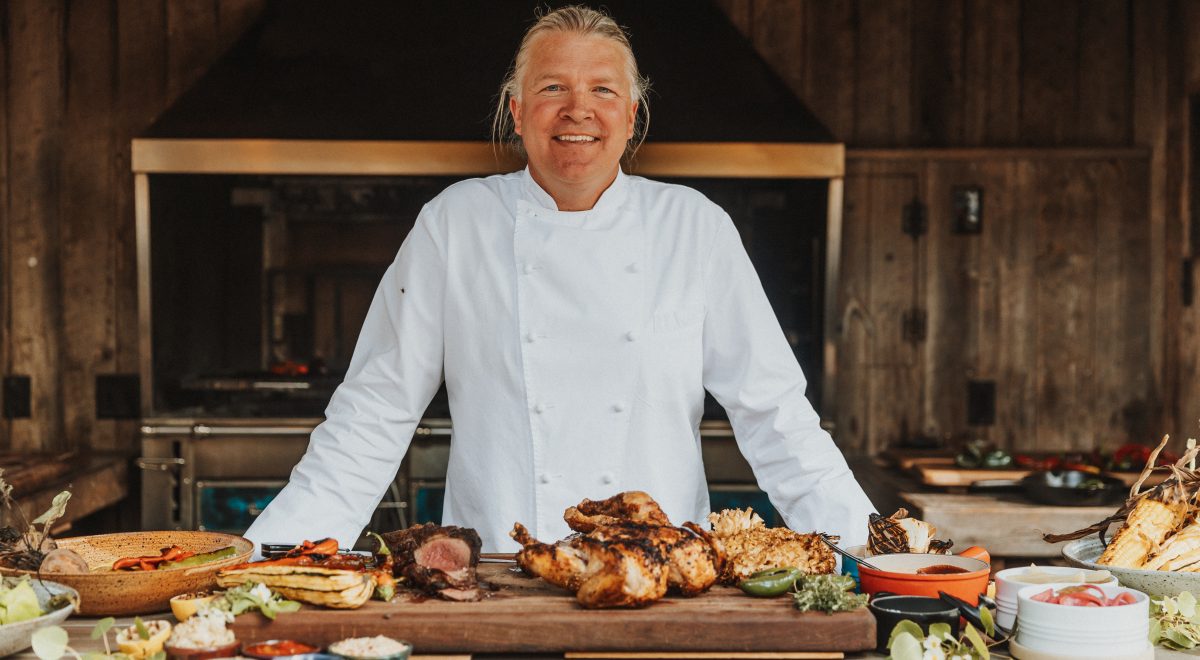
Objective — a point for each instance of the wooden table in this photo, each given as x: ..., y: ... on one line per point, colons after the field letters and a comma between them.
x: 1006, y: 525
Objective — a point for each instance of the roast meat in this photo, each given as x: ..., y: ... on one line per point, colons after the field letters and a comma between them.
x: 438, y: 560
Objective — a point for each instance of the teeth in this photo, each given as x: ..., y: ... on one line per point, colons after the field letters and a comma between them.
x: 576, y: 138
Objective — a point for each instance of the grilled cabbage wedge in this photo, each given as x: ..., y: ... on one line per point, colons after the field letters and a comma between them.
x: 899, y: 533
x: 329, y: 587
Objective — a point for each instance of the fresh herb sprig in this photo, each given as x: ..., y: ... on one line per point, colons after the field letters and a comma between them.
x: 827, y: 593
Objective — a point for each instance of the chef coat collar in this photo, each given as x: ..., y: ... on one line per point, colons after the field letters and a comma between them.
x: 547, y: 209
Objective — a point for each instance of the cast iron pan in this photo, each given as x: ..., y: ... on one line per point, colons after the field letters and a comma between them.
x: 1065, y: 488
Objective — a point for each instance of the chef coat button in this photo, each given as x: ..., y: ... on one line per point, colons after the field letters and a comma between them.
x: 531, y: 337
x: 544, y: 478
x: 607, y: 478
x: 539, y: 408
x: 529, y: 268
x: 633, y: 268
x: 618, y: 407
x: 631, y: 335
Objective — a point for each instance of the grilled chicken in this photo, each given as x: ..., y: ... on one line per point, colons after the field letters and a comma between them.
x: 693, y: 561
x: 630, y: 506
x: 616, y: 573
x: 626, y: 555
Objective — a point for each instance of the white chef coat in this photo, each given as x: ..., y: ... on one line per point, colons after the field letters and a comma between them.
x: 576, y: 348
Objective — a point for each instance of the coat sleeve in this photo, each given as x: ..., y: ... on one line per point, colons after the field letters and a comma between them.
x: 396, y: 368
x: 750, y: 369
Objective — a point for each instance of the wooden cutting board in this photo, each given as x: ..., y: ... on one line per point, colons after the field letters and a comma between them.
x: 528, y: 615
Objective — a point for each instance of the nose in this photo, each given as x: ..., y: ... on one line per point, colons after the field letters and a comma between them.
x: 578, y: 107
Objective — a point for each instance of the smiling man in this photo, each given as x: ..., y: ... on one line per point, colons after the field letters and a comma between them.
x: 575, y: 114
x: 577, y: 315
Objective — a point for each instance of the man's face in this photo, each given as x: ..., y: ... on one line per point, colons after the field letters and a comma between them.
x: 575, y: 113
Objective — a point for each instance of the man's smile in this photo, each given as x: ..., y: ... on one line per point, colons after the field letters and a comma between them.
x: 570, y: 137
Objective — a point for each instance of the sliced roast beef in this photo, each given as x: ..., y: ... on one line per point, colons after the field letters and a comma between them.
x: 439, y: 560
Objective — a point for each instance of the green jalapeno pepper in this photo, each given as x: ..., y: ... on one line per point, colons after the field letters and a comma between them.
x: 771, y: 582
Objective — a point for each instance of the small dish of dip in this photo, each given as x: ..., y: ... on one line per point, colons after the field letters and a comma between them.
x: 371, y: 648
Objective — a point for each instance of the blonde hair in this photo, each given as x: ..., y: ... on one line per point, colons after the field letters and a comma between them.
x: 584, y: 21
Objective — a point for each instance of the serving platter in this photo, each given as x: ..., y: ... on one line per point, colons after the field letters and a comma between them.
x: 529, y: 615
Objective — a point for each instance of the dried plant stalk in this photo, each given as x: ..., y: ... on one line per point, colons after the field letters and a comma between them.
x: 1182, y: 486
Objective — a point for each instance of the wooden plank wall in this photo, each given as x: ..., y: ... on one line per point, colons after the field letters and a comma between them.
x: 1048, y: 303
x: 913, y: 74
x: 79, y: 78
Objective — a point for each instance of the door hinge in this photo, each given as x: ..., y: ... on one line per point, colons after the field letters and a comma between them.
x: 913, y: 220
x: 914, y: 325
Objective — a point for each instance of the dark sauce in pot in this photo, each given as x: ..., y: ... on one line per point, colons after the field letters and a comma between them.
x: 941, y: 569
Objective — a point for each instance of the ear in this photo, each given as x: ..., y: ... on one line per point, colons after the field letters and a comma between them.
x: 633, y: 108
x: 514, y: 108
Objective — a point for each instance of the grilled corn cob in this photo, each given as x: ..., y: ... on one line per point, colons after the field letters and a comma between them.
x: 1175, y: 550
x: 1145, y: 528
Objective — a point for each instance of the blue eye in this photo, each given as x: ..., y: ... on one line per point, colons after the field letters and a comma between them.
x: 605, y: 90
x: 553, y: 88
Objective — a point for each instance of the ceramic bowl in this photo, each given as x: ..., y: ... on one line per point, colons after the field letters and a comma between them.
x: 1092, y: 632
x: 897, y: 574
x: 106, y: 592
x: 922, y: 610
x: 256, y: 649
x: 402, y: 655
x: 1008, y: 583
x: 1084, y: 553
x: 16, y: 637
x: 180, y: 653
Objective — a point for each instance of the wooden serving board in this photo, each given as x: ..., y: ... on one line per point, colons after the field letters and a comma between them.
x: 529, y: 615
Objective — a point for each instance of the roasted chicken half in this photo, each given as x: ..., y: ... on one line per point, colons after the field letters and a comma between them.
x: 631, y: 506
x: 627, y: 553
x: 618, y: 573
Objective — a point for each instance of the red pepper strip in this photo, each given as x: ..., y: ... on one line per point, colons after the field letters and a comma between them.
x: 307, y: 553
x: 173, y: 553
x: 322, y: 547
x: 125, y: 562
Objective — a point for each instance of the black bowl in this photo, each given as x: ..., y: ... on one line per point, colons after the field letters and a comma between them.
x: 921, y: 610
x: 1073, y: 488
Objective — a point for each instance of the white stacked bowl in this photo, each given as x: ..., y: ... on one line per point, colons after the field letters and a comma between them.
x: 1072, y: 631
x: 1007, y: 587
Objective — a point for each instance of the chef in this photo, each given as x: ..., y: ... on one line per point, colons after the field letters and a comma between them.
x: 577, y: 315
